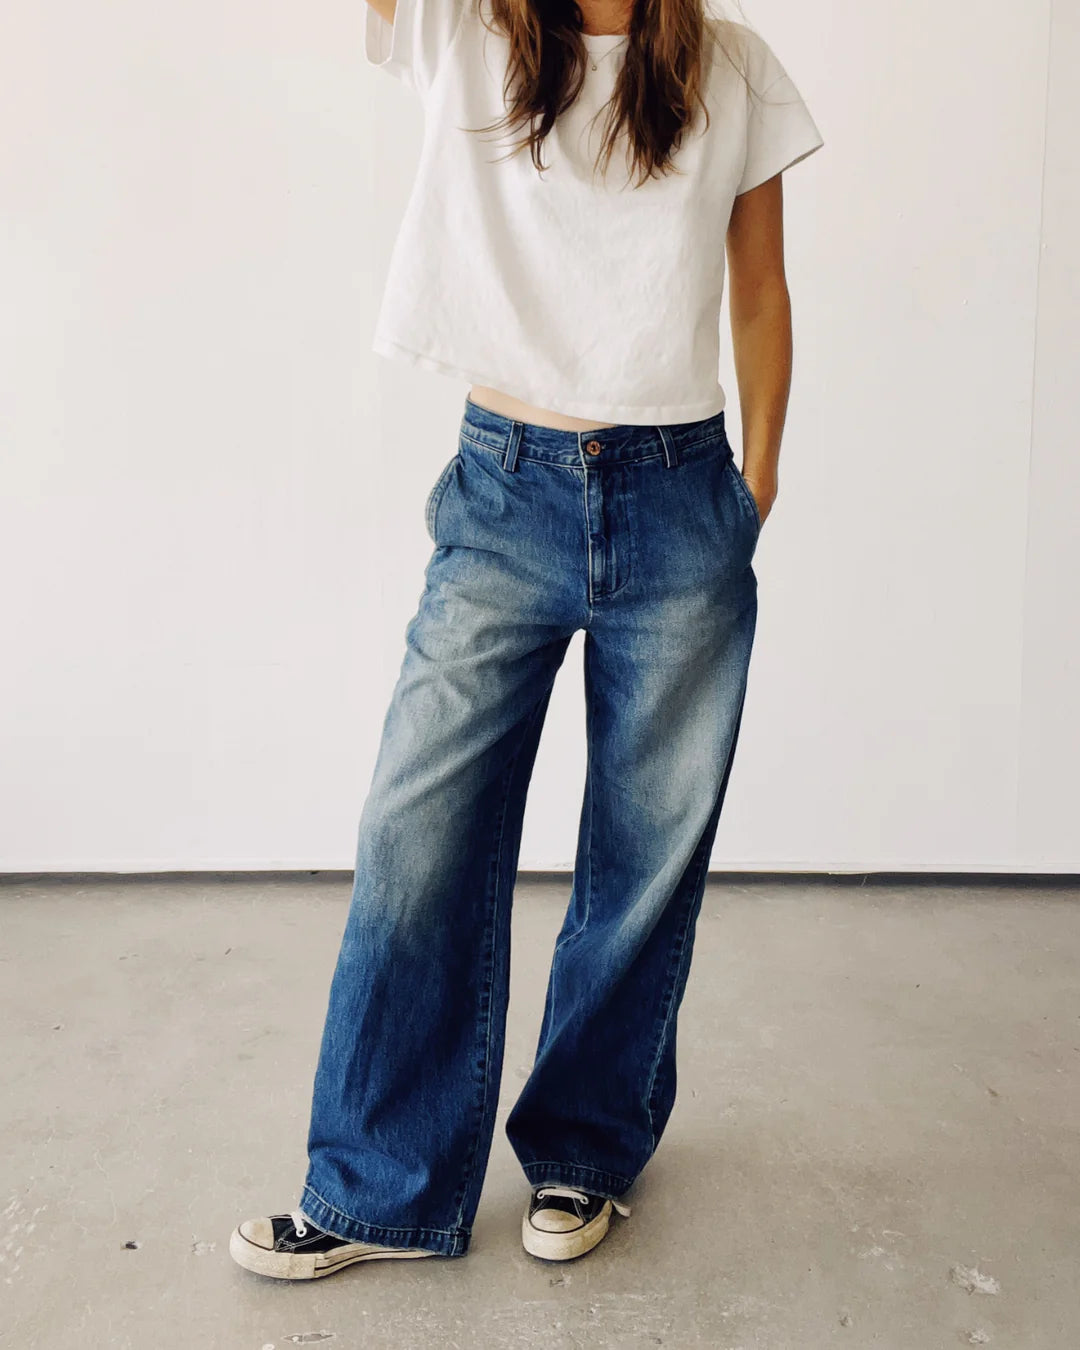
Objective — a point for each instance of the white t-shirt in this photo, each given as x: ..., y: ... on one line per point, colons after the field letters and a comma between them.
x: 594, y: 299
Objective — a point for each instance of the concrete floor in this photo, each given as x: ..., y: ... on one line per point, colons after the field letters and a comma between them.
x: 875, y: 1143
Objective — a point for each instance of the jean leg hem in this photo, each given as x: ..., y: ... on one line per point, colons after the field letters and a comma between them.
x: 609, y: 1184
x: 445, y: 1241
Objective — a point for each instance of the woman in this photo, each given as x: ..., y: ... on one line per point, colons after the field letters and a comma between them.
x: 574, y: 279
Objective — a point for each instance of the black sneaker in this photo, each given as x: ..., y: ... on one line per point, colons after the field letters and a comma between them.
x: 562, y: 1222
x: 291, y: 1247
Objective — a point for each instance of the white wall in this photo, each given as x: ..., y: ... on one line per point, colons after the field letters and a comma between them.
x: 211, y: 492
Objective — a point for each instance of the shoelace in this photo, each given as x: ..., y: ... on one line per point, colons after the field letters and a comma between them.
x: 563, y: 1190
x: 300, y: 1222
x: 575, y: 1194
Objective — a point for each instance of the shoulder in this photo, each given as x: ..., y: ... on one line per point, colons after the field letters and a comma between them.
x: 741, y: 48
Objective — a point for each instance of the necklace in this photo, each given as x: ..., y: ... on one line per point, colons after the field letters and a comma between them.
x: 593, y: 61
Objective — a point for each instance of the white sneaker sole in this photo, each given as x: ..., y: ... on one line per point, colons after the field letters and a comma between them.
x: 564, y: 1246
x: 310, y: 1265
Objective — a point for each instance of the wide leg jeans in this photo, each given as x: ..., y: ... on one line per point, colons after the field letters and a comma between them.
x: 642, y: 537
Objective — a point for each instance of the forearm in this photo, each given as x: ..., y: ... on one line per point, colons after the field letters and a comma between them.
x: 762, y: 344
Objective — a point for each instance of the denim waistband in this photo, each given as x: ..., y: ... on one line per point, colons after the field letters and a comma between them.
x: 622, y: 444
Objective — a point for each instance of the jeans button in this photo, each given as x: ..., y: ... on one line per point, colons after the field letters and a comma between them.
x: 592, y: 448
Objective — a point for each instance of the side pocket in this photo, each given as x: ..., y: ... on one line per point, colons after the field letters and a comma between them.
x: 743, y: 489
x: 431, y: 506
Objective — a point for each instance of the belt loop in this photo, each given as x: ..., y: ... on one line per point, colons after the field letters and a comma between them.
x: 510, y: 457
x: 671, y: 450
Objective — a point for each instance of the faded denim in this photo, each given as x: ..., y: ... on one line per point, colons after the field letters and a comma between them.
x: 647, y: 547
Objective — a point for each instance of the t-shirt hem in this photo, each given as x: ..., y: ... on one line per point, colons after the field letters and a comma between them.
x: 634, y: 414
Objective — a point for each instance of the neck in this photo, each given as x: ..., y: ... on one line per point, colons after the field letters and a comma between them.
x: 601, y: 20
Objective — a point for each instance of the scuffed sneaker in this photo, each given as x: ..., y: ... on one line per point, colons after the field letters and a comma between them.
x: 561, y: 1222
x: 292, y: 1247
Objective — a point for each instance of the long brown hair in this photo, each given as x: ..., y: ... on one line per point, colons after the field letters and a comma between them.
x: 657, y: 91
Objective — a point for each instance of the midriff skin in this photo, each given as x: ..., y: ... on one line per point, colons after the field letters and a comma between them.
x: 526, y: 412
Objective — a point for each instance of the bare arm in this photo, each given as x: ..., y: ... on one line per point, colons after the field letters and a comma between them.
x: 385, y: 8
x: 760, y: 311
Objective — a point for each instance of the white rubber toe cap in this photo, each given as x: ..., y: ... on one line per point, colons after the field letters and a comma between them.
x: 260, y: 1232
x: 555, y: 1220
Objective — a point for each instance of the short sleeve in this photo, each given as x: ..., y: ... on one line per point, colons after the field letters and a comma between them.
x: 780, y: 130
x: 412, y: 47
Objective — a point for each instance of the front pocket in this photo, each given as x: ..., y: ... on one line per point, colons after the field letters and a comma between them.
x: 431, y: 506
x: 748, y: 498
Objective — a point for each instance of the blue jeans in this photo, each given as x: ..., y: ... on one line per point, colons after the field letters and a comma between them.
x: 643, y: 537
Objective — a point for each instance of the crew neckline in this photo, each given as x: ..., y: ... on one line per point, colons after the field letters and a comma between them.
x: 604, y: 37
